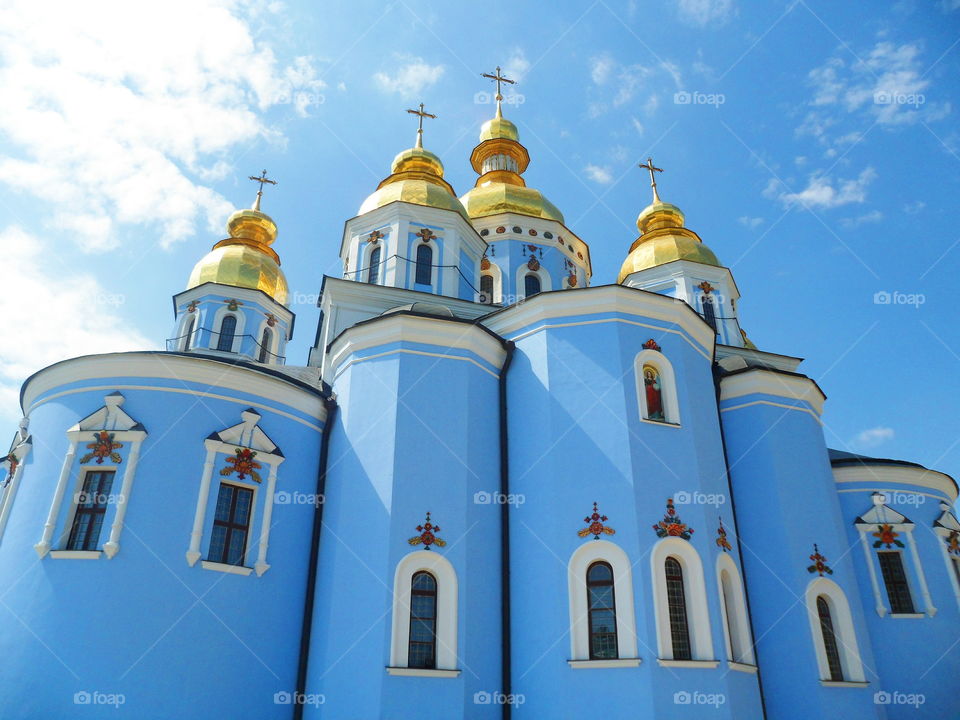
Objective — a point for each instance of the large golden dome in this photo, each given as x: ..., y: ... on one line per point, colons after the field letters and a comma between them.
x: 500, y: 160
x: 416, y: 176
x: 245, y: 259
x: 664, y: 239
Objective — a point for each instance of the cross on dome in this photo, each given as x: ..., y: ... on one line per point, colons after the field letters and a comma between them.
x: 648, y: 165
x: 499, y: 79
x: 421, y: 114
x: 262, y: 178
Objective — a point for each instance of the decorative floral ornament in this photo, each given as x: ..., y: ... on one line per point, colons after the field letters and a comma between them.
x: 706, y: 287
x: 651, y: 344
x: 721, y: 540
x: 595, y: 525
x: 12, y: 464
x: 425, y: 235
x: 102, y: 447
x: 952, y: 540
x: 428, y: 535
x: 572, y: 280
x: 671, y: 526
x: 485, y: 263
x: 819, y: 563
x: 243, y: 464
x: 233, y: 304
x: 192, y: 306
x: 374, y: 236
x: 271, y: 319
x: 886, y: 536
x: 533, y: 263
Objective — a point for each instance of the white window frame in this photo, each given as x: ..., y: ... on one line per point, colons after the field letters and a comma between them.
x: 275, y: 332
x: 736, y: 622
x: 496, y: 273
x: 843, y: 631
x: 110, y: 418
x: 913, y: 570
x: 546, y: 282
x: 238, y: 333
x: 363, y: 267
x: 447, y: 609
x: 580, y: 561
x: 247, y: 435
x: 946, y: 524
x: 668, y: 387
x: 695, y: 595
x: 435, y: 262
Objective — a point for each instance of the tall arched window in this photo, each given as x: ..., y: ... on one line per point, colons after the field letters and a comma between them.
x: 603, y: 612
x: 228, y: 328
x: 266, y: 340
x: 709, y: 313
x: 677, y: 606
x: 531, y: 284
x: 422, y: 651
x: 188, y: 333
x: 424, y: 265
x: 486, y: 288
x: 373, y: 267
x: 829, y: 639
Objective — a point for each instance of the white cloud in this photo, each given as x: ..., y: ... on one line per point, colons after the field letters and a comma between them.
x: 517, y: 65
x: 705, y: 12
x: 54, y: 312
x: 637, y: 125
x: 873, y: 437
x: 623, y: 80
x: 874, y: 216
x: 823, y: 192
x: 600, y: 68
x: 599, y: 174
x: 112, y: 111
x: 912, y: 208
x: 750, y: 222
x: 411, y: 78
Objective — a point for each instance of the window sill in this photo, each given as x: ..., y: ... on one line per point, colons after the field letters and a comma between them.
x: 708, y: 664
x: 844, y: 683
x: 422, y: 672
x: 661, y: 423
x: 224, y: 568
x: 742, y: 667
x: 599, y: 664
x: 906, y: 615
x: 75, y: 554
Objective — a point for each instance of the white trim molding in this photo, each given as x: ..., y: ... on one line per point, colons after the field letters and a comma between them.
x: 447, y: 609
x: 668, y: 386
x: 582, y: 558
x: 422, y: 672
x: 13, y: 464
x: 758, y: 381
x: 843, y: 630
x: 603, y: 664
x: 733, y: 609
x: 695, y: 594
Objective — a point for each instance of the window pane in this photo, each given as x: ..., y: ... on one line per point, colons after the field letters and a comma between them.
x: 531, y: 285
x: 227, y: 329
x: 373, y: 273
x: 829, y: 640
x: 424, y: 265
x: 599, y: 571
x: 224, y: 502
x: 601, y: 597
x: 677, y: 607
x: 422, y: 606
x: 238, y: 539
x: 424, y: 581
x: 895, y: 579
x: 217, y: 543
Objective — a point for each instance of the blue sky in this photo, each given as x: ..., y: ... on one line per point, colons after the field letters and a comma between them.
x: 814, y: 146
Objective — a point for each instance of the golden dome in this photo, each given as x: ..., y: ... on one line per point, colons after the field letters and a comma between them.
x: 417, y: 178
x: 492, y: 197
x: 245, y: 259
x: 663, y: 239
x: 499, y: 128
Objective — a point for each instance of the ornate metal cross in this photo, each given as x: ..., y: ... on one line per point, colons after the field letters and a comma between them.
x: 261, y: 179
x: 421, y: 114
x: 498, y: 78
x: 653, y: 179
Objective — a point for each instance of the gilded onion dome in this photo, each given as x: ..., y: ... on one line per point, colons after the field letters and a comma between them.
x: 416, y: 177
x: 245, y: 259
x: 663, y: 239
x: 500, y: 161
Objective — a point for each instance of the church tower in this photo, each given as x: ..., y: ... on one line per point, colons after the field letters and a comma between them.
x: 235, y: 301
x: 531, y: 250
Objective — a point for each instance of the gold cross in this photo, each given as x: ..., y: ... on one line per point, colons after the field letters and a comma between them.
x: 421, y: 114
x: 261, y: 179
x: 653, y: 180
x: 498, y: 78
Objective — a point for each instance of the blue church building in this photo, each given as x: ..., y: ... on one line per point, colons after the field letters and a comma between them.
x: 496, y: 489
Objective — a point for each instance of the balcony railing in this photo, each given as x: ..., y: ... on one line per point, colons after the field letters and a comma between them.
x: 204, y: 339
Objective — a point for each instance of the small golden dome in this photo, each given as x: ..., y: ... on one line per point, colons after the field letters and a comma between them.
x: 417, y: 178
x: 245, y: 259
x: 664, y: 239
x: 499, y: 128
x: 491, y: 198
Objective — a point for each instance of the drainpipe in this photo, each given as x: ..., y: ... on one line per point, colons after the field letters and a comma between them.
x: 505, y: 533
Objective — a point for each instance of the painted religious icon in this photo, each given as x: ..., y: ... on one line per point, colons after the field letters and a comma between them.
x: 652, y: 386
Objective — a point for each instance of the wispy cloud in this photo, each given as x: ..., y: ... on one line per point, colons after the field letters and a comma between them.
x: 598, y: 174
x: 912, y: 208
x: 411, y: 78
x: 116, y: 125
x: 705, y: 12
x: 874, y: 216
x: 824, y: 192
x: 873, y: 437
x: 750, y: 222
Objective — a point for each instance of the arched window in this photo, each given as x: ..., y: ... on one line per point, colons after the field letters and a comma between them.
x: 486, y: 288
x: 424, y: 265
x: 603, y: 612
x: 733, y: 607
x: 709, y: 313
x: 266, y: 340
x: 228, y: 328
x: 829, y: 639
x: 422, y: 652
x: 531, y: 284
x: 653, y: 392
x: 188, y: 333
x: 373, y: 266
x: 677, y: 606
